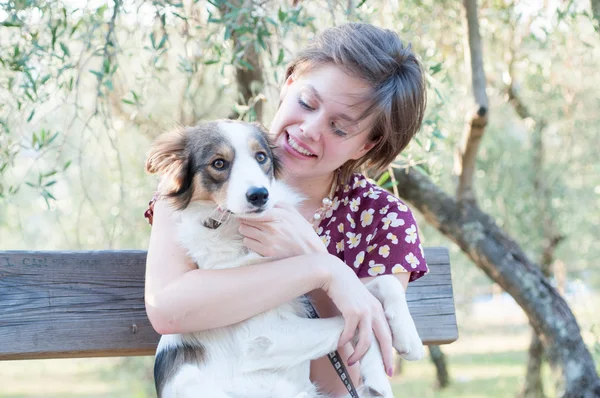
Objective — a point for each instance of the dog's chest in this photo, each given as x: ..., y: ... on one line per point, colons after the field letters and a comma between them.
x: 217, y: 248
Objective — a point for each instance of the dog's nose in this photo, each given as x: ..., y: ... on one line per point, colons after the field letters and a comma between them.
x: 257, y: 196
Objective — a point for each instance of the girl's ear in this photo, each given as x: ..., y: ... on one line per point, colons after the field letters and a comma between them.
x: 286, y: 85
x: 168, y: 157
x: 362, y: 151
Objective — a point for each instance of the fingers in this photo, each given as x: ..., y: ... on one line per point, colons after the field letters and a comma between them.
x: 251, y: 231
x: 383, y: 335
x: 364, y: 340
x: 351, y: 323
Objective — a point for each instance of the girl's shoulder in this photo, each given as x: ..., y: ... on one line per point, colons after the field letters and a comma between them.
x: 363, y: 195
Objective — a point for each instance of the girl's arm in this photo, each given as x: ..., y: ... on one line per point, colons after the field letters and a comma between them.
x: 321, y: 371
x: 181, y: 298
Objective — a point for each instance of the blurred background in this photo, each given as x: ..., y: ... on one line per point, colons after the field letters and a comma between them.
x: 85, y: 86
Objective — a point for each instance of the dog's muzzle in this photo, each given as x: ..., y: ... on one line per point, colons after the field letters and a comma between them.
x: 257, y: 197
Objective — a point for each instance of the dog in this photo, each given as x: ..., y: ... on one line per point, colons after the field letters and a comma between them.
x: 211, y: 174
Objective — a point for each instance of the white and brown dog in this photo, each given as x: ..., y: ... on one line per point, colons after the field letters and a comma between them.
x: 210, y: 174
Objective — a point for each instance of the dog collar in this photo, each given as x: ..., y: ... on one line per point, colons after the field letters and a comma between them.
x: 215, y: 221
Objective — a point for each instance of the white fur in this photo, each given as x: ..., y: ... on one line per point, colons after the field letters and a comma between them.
x: 268, y: 355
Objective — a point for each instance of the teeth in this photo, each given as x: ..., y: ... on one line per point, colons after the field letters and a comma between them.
x: 297, y: 147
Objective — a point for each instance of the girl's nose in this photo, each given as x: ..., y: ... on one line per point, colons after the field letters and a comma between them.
x: 312, y: 128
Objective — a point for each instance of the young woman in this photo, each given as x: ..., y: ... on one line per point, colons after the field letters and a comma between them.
x: 355, y: 97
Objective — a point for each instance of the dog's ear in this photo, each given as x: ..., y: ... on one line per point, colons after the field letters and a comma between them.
x: 277, y: 165
x: 170, y: 158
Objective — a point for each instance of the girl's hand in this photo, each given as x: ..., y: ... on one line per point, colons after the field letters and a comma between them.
x: 362, y: 312
x: 280, y: 233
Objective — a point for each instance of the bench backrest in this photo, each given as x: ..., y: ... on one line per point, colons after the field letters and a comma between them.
x: 91, y: 304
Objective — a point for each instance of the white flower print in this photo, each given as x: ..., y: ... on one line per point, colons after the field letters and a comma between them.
x: 336, y: 203
x: 384, y: 251
x: 392, y: 238
x: 411, y: 234
x: 366, y: 217
x: 326, y: 239
x: 376, y: 269
x: 371, y: 236
x: 391, y: 219
x: 397, y: 269
x: 319, y: 230
x: 412, y: 260
x: 359, y: 183
x: 384, y: 210
x: 353, y: 239
x: 392, y: 199
x: 339, y: 247
x: 345, y: 201
x: 371, y: 248
x: 351, y: 220
x: 402, y: 207
x: 421, y: 249
x: 341, y: 227
x: 360, y: 257
x: 354, y: 203
x: 346, y: 188
x: 374, y: 194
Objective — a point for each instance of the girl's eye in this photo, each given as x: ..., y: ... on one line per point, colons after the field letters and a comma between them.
x: 218, y: 164
x: 337, y: 131
x: 305, y: 105
x: 261, y: 157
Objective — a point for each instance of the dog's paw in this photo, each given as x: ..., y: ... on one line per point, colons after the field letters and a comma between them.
x: 369, y: 391
x: 406, y: 340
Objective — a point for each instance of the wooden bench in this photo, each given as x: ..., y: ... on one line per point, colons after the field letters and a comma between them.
x: 91, y: 304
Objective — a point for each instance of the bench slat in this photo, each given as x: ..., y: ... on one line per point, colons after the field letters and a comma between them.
x: 90, y: 304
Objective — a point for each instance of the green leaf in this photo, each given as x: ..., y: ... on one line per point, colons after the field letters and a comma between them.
x: 281, y: 56
x: 65, y: 49
x: 435, y: 68
x: 99, y: 75
x: 152, y: 40
x: 281, y: 15
x: 66, y: 166
x: 245, y: 64
x: 126, y: 101
x: 211, y: 61
x: 49, y: 184
x: 163, y: 41
x: 11, y: 24
x: 31, y: 116
x: 384, y: 177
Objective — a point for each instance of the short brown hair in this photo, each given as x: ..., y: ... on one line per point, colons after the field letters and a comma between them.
x: 398, y: 98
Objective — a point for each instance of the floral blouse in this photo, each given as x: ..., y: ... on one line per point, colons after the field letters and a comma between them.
x: 369, y: 229
x: 372, y: 231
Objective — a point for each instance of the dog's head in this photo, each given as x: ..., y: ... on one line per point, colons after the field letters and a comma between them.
x: 227, y: 162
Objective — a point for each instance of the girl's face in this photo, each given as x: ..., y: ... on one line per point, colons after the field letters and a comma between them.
x: 315, y: 128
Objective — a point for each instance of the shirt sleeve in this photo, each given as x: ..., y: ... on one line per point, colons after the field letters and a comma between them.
x: 393, y: 244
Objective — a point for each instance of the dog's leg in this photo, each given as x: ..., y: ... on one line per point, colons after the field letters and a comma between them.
x: 303, y: 340
x: 372, y: 370
x: 405, y: 338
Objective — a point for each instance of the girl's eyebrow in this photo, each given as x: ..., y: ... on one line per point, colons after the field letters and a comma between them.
x: 314, y: 92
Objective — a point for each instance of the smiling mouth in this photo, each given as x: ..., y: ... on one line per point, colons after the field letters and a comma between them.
x: 294, y: 144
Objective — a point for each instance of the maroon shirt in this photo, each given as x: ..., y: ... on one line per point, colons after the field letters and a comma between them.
x: 372, y: 231
x: 369, y: 229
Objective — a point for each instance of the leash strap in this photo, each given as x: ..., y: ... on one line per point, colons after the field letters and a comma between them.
x: 336, y: 360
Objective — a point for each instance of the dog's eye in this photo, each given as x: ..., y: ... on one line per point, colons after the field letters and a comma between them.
x: 218, y: 164
x: 261, y: 157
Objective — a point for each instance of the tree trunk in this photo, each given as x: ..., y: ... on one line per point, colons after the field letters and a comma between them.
x: 596, y: 10
x: 466, y: 154
x: 501, y: 258
x: 250, y: 81
x: 439, y: 360
x: 534, y: 388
